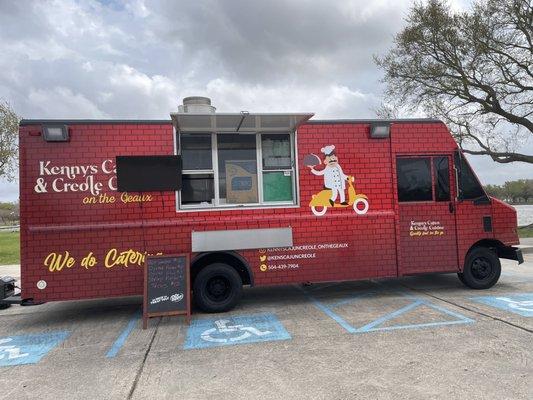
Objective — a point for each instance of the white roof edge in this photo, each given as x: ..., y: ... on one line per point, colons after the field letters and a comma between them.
x: 251, y: 114
x: 210, y: 121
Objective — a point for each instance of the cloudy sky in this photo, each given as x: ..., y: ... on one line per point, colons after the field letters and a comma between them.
x: 137, y: 59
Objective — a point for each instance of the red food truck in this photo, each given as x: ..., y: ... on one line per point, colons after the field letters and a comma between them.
x: 261, y: 199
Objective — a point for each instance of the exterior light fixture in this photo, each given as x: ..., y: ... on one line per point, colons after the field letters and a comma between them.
x: 55, y: 133
x: 379, y: 130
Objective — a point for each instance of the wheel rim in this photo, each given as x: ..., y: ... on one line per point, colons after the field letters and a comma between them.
x: 358, y: 210
x: 218, y: 289
x: 319, y: 211
x: 481, y: 268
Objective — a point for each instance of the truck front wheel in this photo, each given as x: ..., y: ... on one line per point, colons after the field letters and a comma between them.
x: 482, y: 269
x: 217, y: 288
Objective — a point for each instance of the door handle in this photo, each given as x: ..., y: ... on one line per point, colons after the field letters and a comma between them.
x: 451, y: 207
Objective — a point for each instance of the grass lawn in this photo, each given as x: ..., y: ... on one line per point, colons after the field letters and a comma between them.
x: 526, y: 232
x: 9, y: 248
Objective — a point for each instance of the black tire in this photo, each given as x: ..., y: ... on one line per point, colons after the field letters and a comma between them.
x: 482, y: 268
x: 217, y: 288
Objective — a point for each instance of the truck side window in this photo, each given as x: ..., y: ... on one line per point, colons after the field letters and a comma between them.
x: 234, y: 169
x: 196, y: 151
x: 442, y: 178
x: 237, y: 169
x: 469, y: 186
x: 198, y: 176
x: 197, y: 189
x: 277, y: 167
x: 414, y: 179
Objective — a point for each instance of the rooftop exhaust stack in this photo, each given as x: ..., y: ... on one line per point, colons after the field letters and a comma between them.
x: 196, y: 105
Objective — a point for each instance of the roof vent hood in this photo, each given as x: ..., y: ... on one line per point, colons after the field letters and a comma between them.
x: 196, y: 105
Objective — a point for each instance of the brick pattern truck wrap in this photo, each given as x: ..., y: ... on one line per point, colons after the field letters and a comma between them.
x: 266, y: 199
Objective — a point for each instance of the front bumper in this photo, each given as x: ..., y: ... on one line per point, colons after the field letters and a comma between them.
x: 511, y: 253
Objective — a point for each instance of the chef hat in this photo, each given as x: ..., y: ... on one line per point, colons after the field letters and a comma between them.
x: 327, y: 150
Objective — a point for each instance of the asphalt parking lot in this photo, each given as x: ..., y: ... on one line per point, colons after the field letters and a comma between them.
x: 418, y: 338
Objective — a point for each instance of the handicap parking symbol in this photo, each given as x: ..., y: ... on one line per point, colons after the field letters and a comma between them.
x: 228, y: 331
x: 28, y: 349
x: 521, y: 304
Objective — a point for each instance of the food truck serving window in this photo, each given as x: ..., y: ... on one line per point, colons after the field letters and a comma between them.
x: 235, y: 169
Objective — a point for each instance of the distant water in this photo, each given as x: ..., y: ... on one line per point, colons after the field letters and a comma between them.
x: 525, y: 215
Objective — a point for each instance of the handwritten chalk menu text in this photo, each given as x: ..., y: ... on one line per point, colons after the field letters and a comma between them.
x: 166, y: 287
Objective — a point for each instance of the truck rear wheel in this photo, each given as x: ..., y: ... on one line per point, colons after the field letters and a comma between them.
x: 482, y: 269
x: 217, y: 288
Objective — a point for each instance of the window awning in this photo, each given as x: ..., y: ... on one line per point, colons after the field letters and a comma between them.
x: 238, y: 122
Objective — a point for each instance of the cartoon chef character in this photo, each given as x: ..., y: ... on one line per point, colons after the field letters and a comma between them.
x: 334, y: 178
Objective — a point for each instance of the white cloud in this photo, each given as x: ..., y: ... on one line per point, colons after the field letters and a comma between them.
x: 328, y: 101
x: 61, y: 102
x: 137, y: 8
x: 362, y: 11
x: 137, y: 59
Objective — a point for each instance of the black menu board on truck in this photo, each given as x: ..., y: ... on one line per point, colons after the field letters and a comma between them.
x: 166, y: 287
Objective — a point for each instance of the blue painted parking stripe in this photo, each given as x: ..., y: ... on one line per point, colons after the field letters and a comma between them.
x: 452, y: 313
x: 461, y: 319
x: 334, y: 316
x: 113, y: 351
x: 373, y: 326
x: 416, y: 326
x: 389, y: 316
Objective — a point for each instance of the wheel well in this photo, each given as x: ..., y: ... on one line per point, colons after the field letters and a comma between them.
x: 496, y: 245
x: 231, y: 258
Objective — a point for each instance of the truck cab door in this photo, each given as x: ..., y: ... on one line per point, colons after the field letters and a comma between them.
x: 426, y: 228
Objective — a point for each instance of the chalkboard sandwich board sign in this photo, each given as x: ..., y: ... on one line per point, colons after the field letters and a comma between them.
x: 166, y: 287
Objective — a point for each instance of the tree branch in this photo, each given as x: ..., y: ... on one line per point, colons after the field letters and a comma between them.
x: 502, y: 157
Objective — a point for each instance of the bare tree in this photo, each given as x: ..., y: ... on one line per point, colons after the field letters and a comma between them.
x: 9, y: 125
x: 472, y: 69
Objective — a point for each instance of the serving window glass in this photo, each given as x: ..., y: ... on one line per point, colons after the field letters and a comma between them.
x: 237, y: 169
x: 227, y: 170
x: 278, y: 172
x: 198, y: 174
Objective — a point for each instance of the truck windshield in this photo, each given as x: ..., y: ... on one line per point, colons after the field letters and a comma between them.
x: 469, y: 186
